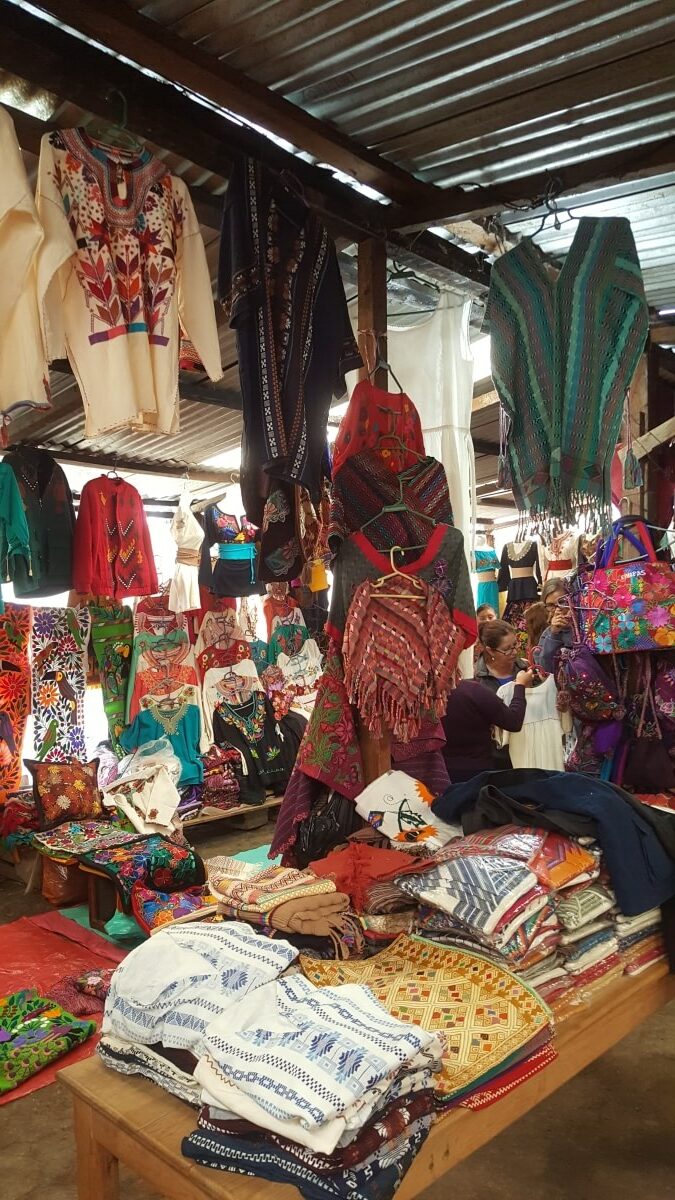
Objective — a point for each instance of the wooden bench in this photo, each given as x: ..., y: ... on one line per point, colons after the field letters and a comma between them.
x: 130, y: 1120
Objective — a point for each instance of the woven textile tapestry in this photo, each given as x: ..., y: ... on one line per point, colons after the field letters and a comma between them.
x: 59, y: 653
x: 15, y: 627
x: 563, y: 352
x: 154, y: 861
x: 485, y: 1015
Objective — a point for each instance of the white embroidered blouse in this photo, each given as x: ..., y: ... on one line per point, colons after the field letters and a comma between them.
x: 136, y: 280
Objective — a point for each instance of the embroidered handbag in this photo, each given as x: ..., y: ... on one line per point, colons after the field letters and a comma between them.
x: 645, y: 763
x: 591, y: 695
x: 626, y: 606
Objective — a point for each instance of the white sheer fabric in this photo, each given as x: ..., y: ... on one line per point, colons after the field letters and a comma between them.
x: 434, y: 364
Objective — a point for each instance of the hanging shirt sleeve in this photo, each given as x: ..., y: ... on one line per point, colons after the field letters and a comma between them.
x: 195, y: 298
x: 56, y: 256
x: 84, y: 545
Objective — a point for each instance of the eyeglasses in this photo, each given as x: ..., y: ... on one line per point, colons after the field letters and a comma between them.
x: 552, y: 601
x: 508, y: 651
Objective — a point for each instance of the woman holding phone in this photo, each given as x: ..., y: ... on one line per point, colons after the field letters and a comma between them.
x: 559, y: 633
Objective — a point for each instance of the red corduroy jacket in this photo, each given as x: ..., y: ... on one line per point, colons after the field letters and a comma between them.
x: 112, y: 551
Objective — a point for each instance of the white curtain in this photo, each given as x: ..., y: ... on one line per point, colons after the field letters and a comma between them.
x: 434, y: 364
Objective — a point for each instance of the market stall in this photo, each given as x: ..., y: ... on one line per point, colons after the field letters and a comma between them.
x: 244, y: 491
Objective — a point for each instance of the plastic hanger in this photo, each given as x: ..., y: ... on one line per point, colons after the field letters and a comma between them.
x: 381, y: 364
x: 394, y: 573
x: 116, y: 135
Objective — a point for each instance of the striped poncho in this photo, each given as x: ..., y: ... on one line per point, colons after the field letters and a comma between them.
x: 564, y: 351
x: 400, y: 656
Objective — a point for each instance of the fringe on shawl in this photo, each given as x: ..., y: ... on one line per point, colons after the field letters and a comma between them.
x: 592, y: 513
x: 391, y: 694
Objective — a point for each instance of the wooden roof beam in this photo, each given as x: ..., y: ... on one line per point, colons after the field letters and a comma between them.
x: 459, y: 203
x: 30, y: 130
x: 54, y: 59
x: 149, y: 44
x: 485, y: 446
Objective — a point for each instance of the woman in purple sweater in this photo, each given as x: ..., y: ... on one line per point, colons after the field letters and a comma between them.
x: 473, y: 707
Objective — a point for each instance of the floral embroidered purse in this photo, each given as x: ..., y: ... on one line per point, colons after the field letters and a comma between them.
x: 626, y: 606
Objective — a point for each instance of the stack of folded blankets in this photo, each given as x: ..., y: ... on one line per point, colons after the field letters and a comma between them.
x: 166, y: 992
x: 531, y: 899
x: 494, y: 891
x: 319, y: 1088
x: 588, y: 943
x: 221, y: 784
x: 310, y: 911
x: 640, y: 940
x: 369, y: 874
x: 190, y: 804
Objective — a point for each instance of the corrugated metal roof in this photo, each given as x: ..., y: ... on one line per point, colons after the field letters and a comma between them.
x: 455, y: 91
x: 466, y: 94
x: 205, y: 430
x: 650, y: 209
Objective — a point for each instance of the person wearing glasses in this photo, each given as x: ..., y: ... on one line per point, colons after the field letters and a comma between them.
x: 558, y: 633
x: 474, y: 709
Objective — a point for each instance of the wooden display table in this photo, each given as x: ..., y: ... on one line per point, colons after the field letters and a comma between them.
x: 130, y: 1120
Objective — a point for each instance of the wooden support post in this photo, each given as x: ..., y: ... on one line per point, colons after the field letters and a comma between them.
x: 372, y: 310
x: 372, y: 306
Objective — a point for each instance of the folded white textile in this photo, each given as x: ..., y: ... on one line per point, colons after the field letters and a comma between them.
x: 171, y: 987
x: 311, y: 1062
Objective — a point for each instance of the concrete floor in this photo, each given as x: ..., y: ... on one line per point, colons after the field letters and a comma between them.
x: 609, y: 1134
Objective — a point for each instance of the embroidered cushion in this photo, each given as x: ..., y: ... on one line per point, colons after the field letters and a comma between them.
x: 65, y: 791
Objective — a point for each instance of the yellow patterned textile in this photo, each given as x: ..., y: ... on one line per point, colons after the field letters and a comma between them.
x: 487, y: 1017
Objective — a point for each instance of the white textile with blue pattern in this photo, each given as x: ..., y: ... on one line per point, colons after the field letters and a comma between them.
x: 312, y: 1062
x: 173, y: 986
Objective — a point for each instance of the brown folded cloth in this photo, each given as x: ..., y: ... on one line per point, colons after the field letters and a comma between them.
x: 370, y: 837
x: 386, y: 897
x: 317, y: 916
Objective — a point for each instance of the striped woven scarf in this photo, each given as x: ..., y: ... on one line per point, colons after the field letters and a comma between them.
x: 400, y: 656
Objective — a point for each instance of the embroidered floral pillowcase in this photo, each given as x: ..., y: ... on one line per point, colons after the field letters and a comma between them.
x: 65, y: 791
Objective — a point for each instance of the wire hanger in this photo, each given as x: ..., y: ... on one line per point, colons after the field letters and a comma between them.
x: 397, y: 271
x: 394, y: 573
x: 113, y: 472
x: 552, y: 208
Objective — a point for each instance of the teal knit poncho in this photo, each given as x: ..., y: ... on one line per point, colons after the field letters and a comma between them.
x: 564, y: 352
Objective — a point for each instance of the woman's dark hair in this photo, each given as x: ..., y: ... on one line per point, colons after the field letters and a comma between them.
x: 493, y: 632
